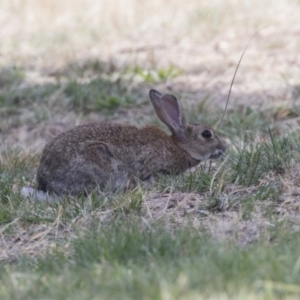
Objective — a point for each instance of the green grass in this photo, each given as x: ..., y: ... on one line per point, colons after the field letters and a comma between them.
x: 124, y: 257
x: 156, y: 76
x: 110, y: 245
x: 85, y: 89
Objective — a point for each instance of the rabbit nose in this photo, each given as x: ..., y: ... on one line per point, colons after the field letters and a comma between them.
x: 223, y: 144
x: 217, y: 153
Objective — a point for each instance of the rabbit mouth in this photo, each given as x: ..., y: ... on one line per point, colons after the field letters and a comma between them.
x: 216, y: 155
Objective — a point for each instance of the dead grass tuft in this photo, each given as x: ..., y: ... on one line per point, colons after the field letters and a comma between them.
x: 34, y: 240
x: 289, y: 204
x: 219, y: 217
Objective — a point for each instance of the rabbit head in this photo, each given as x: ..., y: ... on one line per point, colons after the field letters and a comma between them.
x: 200, y: 141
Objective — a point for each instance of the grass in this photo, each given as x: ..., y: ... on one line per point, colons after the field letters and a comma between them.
x: 130, y: 243
x: 157, y: 76
x: 125, y: 258
x: 228, y: 229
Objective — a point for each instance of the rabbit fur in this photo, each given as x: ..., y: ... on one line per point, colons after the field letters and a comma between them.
x: 111, y: 156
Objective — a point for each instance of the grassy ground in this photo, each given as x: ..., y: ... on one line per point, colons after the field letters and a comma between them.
x: 226, y: 230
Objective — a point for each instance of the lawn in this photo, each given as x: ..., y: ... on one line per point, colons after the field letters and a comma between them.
x: 228, y: 229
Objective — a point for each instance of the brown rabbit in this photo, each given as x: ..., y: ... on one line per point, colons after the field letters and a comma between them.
x: 111, y: 156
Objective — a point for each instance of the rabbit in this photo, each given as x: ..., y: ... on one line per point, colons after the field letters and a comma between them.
x: 112, y: 156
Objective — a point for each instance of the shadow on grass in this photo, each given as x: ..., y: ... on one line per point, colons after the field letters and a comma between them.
x: 30, y: 96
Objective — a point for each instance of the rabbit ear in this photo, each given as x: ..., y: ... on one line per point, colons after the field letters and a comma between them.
x: 155, y: 98
x: 155, y: 94
x: 169, y: 112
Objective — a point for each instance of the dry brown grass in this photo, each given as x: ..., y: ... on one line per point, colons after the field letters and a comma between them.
x: 204, y: 39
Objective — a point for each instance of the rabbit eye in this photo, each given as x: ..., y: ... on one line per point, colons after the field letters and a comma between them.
x: 206, y: 134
